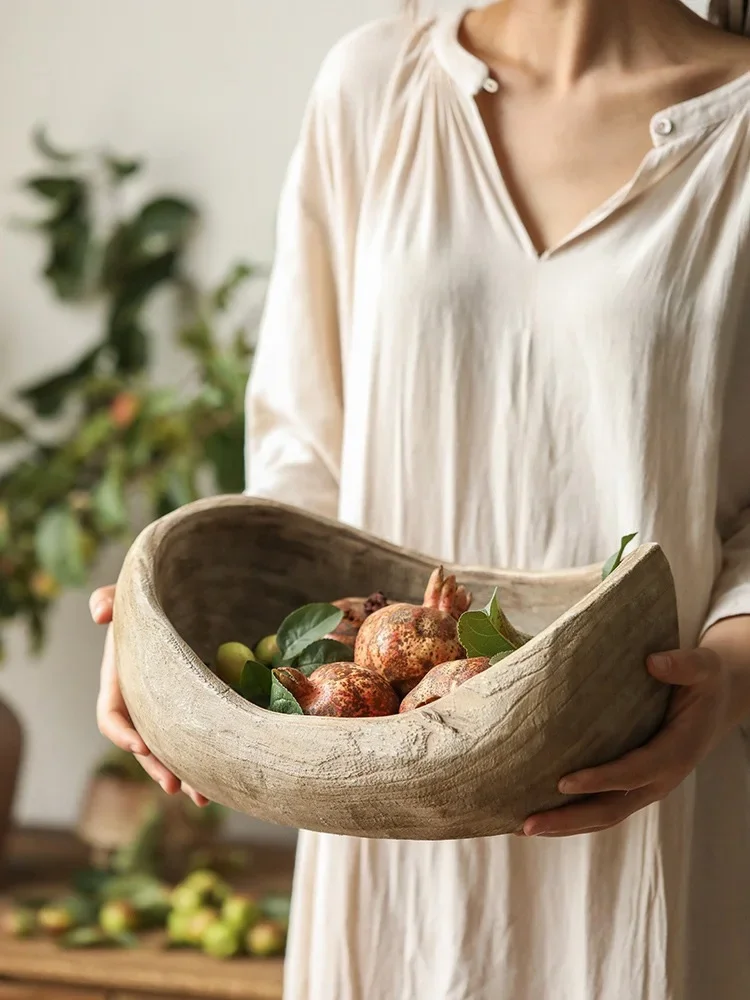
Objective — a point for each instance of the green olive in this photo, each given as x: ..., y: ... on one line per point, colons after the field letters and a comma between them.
x: 230, y: 661
x: 178, y: 926
x: 266, y: 939
x: 20, y: 922
x: 117, y: 917
x: 221, y: 941
x: 240, y: 912
x: 200, y: 922
x: 186, y: 898
x: 55, y: 919
x: 267, y: 650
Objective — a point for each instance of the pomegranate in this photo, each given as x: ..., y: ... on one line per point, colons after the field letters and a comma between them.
x: 443, y: 679
x: 355, y: 609
x: 342, y: 690
x: 403, y: 642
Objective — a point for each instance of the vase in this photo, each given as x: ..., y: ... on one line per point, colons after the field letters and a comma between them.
x: 11, y: 744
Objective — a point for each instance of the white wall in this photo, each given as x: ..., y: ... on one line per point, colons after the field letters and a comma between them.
x: 211, y: 92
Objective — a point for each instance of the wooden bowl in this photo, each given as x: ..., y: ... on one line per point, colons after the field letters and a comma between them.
x: 474, y: 764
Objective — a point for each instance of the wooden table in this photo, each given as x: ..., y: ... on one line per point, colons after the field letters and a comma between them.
x: 40, y: 862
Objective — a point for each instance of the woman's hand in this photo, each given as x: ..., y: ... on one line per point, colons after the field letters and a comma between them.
x: 112, y: 713
x: 698, y: 717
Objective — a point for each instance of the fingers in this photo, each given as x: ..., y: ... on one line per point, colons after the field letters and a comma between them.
x: 115, y: 723
x: 101, y: 603
x: 685, y: 667
x: 111, y: 712
x: 200, y: 800
x: 596, y: 813
x: 160, y: 774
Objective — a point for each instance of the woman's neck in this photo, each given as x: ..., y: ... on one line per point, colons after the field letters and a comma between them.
x: 556, y: 42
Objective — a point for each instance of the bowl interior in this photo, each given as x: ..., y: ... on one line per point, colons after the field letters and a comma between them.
x: 233, y: 573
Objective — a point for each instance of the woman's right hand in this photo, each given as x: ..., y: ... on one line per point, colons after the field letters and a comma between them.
x: 111, y: 711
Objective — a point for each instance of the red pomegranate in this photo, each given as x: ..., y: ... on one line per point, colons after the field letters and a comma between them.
x: 403, y: 642
x: 355, y: 609
x: 342, y: 690
x: 443, y: 679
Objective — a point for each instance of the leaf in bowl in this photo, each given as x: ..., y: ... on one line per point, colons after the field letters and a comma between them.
x: 614, y: 561
x: 304, y: 626
x: 256, y: 683
x: 321, y: 652
x: 283, y: 701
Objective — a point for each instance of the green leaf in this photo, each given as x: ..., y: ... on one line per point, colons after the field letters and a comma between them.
x: 45, y: 147
x: 305, y: 626
x: 129, y: 344
x: 47, y: 397
x: 10, y: 430
x: 276, y: 906
x: 317, y: 654
x: 479, y: 637
x: 71, y: 253
x: 85, y: 937
x: 614, y: 561
x: 225, y: 451
x: 120, y: 169
x: 256, y: 683
x: 62, y: 190
x: 60, y: 546
x: 222, y: 297
x: 162, y: 226
x: 499, y: 657
x: 108, y: 500
x: 282, y: 700
x: 489, y: 633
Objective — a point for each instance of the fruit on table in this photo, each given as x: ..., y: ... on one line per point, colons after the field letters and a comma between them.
x: 211, y: 887
x: 117, y: 917
x: 267, y: 650
x: 266, y: 939
x: 221, y: 941
x: 231, y: 658
x: 443, y: 679
x: 186, y: 898
x: 403, y: 642
x: 240, y: 912
x: 55, y: 919
x: 199, y: 922
x: 19, y: 922
x: 178, y: 926
x: 343, y: 690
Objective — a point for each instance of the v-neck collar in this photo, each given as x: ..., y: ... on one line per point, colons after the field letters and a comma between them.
x: 669, y: 125
x: 669, y: 130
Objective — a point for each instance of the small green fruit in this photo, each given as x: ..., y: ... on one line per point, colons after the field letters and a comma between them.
x: 199, y: 924
x: 55, y: 919
x: 230, y: 660
x: 20, y: 922
x: 267, y: 650
x: 221, y: 941
x: 211, y: 887
x: 266, y: 939
x: 178, y: 927
x: 240, y: 913
x: 117, y: 917
x: 186, y: 898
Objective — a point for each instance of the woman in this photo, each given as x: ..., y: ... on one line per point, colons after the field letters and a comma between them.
x: 510, y: 321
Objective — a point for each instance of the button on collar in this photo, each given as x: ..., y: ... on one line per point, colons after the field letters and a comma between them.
x: 490, y: 85
x: 664, y: 126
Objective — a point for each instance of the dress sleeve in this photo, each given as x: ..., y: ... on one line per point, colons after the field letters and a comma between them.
x: 295, y: 395
x: 731, y: 594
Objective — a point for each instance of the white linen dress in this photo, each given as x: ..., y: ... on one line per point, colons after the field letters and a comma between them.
x: 424, y: 374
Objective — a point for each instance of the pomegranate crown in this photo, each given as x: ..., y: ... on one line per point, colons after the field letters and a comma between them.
x: 445, y: 594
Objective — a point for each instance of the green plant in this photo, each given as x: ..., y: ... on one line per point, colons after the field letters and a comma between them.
x: 83, y: 444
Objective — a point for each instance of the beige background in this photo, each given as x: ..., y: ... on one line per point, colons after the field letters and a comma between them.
x: 211, y: 92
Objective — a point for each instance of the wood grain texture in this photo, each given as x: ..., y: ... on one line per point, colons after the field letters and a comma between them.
x: 477, y: 763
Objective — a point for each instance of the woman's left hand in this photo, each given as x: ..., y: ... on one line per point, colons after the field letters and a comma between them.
x: 696, y: 720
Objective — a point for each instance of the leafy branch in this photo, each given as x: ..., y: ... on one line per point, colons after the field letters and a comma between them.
x: 82, y: 442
